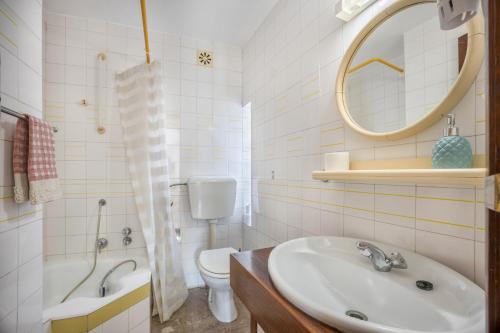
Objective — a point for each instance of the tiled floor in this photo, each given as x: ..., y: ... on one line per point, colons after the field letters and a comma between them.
x: 194, y: 316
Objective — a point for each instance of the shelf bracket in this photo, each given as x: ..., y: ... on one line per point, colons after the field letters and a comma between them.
x: 492, y: 192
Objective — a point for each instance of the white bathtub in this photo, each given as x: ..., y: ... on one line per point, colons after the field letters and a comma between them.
x: 60, y: 276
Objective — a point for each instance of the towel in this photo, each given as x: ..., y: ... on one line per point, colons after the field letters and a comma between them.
x: 20, y: 161
x: 34, y: 159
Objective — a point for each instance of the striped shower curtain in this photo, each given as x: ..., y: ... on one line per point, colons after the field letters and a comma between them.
x: 142, y: 113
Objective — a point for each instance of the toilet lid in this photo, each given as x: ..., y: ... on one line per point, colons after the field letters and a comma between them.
x: 216, y: 261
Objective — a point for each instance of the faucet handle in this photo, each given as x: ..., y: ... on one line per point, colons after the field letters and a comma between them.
x: 126, y: 231
x: 397, y: 260
x: 101, y: 243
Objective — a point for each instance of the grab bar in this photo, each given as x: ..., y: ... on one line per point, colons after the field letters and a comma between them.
x: 380, y: 60
x: 178, y: 184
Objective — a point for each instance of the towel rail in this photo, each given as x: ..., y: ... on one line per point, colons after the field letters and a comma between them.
x: 19, y: 115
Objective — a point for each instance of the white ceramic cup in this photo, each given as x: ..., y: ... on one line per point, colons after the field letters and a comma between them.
x: 337, y: 161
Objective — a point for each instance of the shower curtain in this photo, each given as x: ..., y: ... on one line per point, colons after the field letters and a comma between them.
x: 141, y: 103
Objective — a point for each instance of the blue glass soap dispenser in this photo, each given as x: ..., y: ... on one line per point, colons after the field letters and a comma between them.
x: 452, y: 151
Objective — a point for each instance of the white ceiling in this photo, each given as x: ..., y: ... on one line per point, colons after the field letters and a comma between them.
x: 230, y: 21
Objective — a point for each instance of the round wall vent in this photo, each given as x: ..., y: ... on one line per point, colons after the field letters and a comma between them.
x: 205, y: 58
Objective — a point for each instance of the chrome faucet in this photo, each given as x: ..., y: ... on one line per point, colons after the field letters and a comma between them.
x: 381, y: 262
x: 103, y: 288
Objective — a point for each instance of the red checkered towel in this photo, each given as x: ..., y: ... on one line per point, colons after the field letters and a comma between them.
x: 20, y: 161
x: 34, y: 162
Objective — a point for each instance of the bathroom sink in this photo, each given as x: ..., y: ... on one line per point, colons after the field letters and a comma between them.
x: 328, y: 278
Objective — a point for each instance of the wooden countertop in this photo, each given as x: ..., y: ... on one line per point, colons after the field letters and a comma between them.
x: 250, y: 280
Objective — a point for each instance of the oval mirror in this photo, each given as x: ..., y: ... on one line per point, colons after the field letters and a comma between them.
x: 402, y: 73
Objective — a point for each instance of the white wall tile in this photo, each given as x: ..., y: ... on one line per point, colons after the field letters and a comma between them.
x: 30, y: 278
x: 138, y: 313
x: 399, y: 236
x: 356, y: 227
x: 20, y: 225
x: 289, y: 69
x: 8, y: 296
x: 29, y: 314
x: 9, y: 251
x: 454, y: 252
x: 94, y: 166
x: 117, y: 324
x: 145, y: 326
x: 9, y: 323
x: 30, y: 242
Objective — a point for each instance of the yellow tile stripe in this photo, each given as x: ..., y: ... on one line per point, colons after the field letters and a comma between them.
x: 108, y: 194
x: 444, y: 199
x: 12, y: 218
x: 445, y: 223
x: 374, y: 211
x: 311, y: 95
x: 311, y: 80
x: 394, y: 214
x: 8, y: 17
x: 326, y: 145
x: 375, y: 193
x: 83, y: 182
x: 54, y: 118
x: 8, y: 39
x: 332, y: 129
x: 50, y: 105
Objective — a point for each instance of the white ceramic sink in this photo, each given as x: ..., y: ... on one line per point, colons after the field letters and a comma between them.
x: 327, y: 276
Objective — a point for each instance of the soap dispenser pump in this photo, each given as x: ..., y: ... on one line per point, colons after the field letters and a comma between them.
x: 452, y: 151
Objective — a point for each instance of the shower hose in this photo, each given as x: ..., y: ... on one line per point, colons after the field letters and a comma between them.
x: 102, y: 202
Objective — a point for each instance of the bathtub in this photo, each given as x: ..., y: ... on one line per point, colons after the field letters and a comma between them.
x: 125, y: 308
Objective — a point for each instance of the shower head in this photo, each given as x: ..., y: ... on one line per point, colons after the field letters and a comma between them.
x: 102, y: 202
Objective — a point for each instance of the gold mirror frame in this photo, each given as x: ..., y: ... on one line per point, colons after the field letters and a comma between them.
x: 471, y: 66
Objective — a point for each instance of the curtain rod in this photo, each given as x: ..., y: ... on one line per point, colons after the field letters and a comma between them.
x: 145, y: 29
x: 19, y: 115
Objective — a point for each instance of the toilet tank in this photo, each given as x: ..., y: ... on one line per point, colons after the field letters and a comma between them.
x: 211, y: 197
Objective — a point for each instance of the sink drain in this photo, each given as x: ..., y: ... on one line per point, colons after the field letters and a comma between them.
x: 424, y: 285
x: 356, y: 314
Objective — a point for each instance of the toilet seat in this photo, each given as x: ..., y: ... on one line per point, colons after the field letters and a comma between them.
x: 215, y: 263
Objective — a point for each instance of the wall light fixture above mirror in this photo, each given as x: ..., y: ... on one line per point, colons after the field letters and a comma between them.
x: 402, y: 73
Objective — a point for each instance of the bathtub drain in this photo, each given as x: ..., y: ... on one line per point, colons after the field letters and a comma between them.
x: 356, y: 314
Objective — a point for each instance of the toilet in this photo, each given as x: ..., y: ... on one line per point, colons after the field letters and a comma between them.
x: 212, y: 198
x: 214, y: 270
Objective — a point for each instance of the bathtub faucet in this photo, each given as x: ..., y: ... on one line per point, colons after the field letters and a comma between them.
x: 103, y: 289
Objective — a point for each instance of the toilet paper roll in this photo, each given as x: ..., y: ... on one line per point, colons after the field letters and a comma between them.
x: 337, y: 161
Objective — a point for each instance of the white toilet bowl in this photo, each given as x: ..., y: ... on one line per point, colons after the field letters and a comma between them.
x: 214, y: 269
